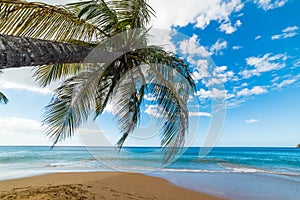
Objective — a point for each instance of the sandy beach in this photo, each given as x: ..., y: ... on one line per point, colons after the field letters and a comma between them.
x: 94, y: 186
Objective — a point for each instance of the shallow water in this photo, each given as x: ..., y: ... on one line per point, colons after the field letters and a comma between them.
x: 235, y: 173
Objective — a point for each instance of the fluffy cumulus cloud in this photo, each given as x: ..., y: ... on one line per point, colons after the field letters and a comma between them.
x: 220, y: 11
x: 266, y: 63
x: 198, y: 12
x: 192, y: 47
x: 214, y: 93
x: 220, y: 75
x: 252, y: 121
x: 228, y: 28
x: 288, y: 32
x: 204, y: 69
x: 270, y: 4
x: 256, y: 90
x: 201, y: 71
x: 218, y: 46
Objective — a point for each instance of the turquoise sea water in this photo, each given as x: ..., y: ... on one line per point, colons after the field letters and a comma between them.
x: 235, y: 173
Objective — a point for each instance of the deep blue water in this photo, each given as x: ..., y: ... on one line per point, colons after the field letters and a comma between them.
x: 279, y: 164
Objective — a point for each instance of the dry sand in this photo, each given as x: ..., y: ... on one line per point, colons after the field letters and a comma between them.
x: 94, y: 186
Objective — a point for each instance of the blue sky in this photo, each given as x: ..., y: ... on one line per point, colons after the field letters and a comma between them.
x: 254, y: 46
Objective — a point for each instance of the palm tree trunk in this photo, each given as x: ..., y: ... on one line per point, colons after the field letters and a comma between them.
x: 21, y: 52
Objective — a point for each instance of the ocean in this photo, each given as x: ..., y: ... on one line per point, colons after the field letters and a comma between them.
x: 234, y: 173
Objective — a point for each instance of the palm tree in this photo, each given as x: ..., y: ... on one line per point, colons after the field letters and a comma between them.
x: 123, y: 78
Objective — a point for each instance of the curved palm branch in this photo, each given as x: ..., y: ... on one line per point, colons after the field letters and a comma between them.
x: 47, y: 74
x: 3, y: 98
x: 42, y: 21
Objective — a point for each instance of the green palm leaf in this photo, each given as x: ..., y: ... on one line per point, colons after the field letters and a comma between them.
x: 115, y: 16
x: 3, y: 98
x: 42, y: 21
x: 47, y: 74
x: 72, y: 104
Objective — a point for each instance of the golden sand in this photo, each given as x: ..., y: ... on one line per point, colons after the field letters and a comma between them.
x: 94, y: 186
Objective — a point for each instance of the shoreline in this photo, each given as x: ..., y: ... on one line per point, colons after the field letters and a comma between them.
x: 96, y: 185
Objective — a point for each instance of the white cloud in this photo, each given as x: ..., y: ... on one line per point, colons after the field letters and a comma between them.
x: 258, y: 37
x: 21, y: 79
x: 162, y: 37
x: 288, y: 32
x: 266, y: 63
x: 220, y: 75
x: 218, y: 46
x: 109, y: 108
x: 21, y: 131
x: 286, y: 82
x: 24, y: 131
x: 198, y: 12
x: 153, y: 110
x: 149, y: 97
x: 275, y: 79
x: 256, y: 90
x: 296, y: 63
x: 197, y: 56
x: 228, y: 28
x: 192, y: 47
x: 252, y: 121
x: 220, y: 12
x: 199, y: 114
x: 290, y: 29
x: 13, y: 124
x: 237, y: 47
x: 214, y: 93
x: 201, y: 72
x: 270, y: 4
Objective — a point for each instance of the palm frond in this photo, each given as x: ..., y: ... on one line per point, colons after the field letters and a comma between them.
x: 47, y: 74
x: 95, y: 12
x: 171, y: 84
x: 173, y: 118
x: 42, y: 21
x: 3, y: 98
x: 128, y: 98
x: 172, y: 96
x: 114, y: 16
x: 157, y: 55
x: 72, y: 104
